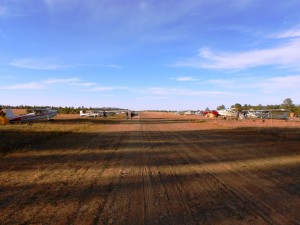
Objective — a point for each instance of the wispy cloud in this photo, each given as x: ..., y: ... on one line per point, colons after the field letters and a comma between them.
x: 287, y: 83
x: 102, y: 88
x: 99, y: 88
x: 114, y: 66
x: 83, y: 84
x: 44, y: 84
x: 163, y: 93
x: 25, y: 86
x: 186, y: 79
x: 62, y: 81
x: 220, y: 81
x: 288, y: 34
x: 283, y: 55
x: 70, y: 81
x: 182, y: 92
x: 154, y: 98
x: 38, y: 64
x: 286, y: 55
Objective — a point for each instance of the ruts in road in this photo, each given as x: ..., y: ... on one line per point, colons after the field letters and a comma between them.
x: 154, y: 169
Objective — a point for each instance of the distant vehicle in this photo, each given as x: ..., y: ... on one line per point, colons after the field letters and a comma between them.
x: 179, y: 113
x: 267, y: 114
x: 189, y: 112
x: 263, y: 114
x: 37, y: 114
x: 214, y: 112
x: 91, y: 114
x: 134, y: 113
x: 232, y: 112
x: 198, y: 113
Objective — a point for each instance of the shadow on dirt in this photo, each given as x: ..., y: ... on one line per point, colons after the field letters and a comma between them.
x: 118, y: 121
x: 226, y: 145
x: 207, y: 203
x: 172, y: 164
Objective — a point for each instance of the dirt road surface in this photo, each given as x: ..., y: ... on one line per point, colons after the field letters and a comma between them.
x: 155, y: 169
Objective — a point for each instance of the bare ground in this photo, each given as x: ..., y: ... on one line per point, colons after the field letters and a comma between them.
x: 156, y: 169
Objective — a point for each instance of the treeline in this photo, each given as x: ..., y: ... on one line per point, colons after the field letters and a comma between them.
x: 286, y: 104
x: 60, y: 109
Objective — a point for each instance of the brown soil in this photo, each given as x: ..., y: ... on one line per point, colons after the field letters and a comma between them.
x: 157, y: 169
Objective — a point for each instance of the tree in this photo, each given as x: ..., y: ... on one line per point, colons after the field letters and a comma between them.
x: 287, y: 103
x: 238, y: 106
x: 259, y: 106
x: 220, y: 107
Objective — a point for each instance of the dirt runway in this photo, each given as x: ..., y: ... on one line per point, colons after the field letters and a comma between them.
x: 155, y: 169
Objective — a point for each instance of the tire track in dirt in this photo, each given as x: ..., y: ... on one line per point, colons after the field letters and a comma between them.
x: 238, y: 200
x: 242, y: 184
x: 139, y: 196
x: 38, y: 213
x: 177, y: 203
x: 109, y: 211
x: 165, y: 189
x: 112, y: 161
x: 47, y: 175
x: 161, y: 210
x: 126, y: 203
x: 164, y: 197
x: 246, y: 198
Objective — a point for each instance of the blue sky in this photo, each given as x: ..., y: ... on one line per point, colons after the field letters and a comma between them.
x: 168, y: 54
